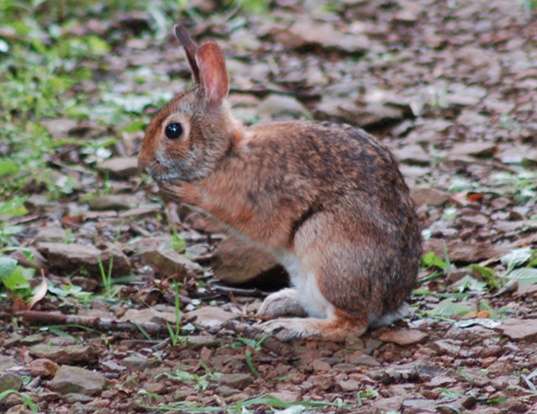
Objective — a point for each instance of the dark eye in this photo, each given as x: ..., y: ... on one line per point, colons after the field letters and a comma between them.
x: 173, y: 130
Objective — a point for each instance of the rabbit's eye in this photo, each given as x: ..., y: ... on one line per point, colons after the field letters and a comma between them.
x: 173, y: 130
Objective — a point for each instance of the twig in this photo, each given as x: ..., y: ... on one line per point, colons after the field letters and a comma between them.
x: 92, y: 322
x: 239, y: 291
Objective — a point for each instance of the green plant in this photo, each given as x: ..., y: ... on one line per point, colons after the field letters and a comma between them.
x: 252, y: 346
x: 175, y: 332
x: 25, y: 398
x: 107, y: 281
x: 367, y: 394
x: 15, y: 278
x: 178, y: 243
x: 200, y: 382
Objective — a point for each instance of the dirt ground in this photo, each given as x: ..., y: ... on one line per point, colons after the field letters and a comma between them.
x: 449, y: 86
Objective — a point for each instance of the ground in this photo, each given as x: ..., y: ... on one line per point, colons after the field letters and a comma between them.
x: 142, y: 324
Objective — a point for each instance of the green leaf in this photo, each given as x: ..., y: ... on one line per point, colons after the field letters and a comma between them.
x: 430, y: 259
x: 13, y: 208
x: 488, y: 275
x: 8, y: 167
x: 468, y: 283
x: 448, y: 309
x: 516, y: 258
x: 16, y: 280
x: 7, y: 266
x: 178, y: 243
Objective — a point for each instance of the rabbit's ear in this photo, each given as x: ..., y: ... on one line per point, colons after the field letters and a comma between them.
x: 213, y: 74
x: 190, y: 47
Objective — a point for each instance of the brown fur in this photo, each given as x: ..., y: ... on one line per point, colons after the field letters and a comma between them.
x: 329, y: 194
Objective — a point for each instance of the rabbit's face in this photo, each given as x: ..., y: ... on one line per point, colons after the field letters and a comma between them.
x: 186, y: 139
x: 189, y: 136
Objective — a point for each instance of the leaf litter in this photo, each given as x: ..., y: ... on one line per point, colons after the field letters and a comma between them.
x: 105, y: 266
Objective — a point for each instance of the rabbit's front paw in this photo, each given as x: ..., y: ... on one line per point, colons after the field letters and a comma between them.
x: 287, y: 329
x: 281, y: 303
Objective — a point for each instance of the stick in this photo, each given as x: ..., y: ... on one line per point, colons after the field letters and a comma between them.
x: 92, y: 322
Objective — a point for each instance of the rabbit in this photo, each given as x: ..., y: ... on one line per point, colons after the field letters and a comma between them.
x: 327, y: 201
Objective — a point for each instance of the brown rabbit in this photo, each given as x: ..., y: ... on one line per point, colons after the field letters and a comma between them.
x: 327, y: 201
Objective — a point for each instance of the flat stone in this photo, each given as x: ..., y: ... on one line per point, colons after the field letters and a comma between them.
x: 155, y: 314
x: 139, y: 361
x: 429, y: 196
x: 349, y: 385
x: 168, y: 262
x: 7, y: 362
x: 43, y: 367
x: 64, y: 354
x: 73, y: 257
x: 387, y: 404
x: 320, y: 365
x: 210, y: 317
x: 51, y: 234
x: 361, y: 358
x: 112, y: 202
x: 403, y: 336
x: 74, y: 397
x: 199, y: 341
x: 119, y: 167
x: 424, y: 406
x: 78, y: 380
x: 519, y: 328
x: 275, y: 106
x: 239, y: 381
x: 10, y: 381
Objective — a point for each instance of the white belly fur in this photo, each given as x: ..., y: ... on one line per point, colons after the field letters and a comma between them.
x: 310, y: 297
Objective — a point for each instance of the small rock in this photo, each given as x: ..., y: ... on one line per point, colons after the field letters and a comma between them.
x: 226, y: 391
x: 474, y: 148
x: 64, y: 354
x: 392, y: 404
x: 429, y: 197
x: 69, y: 257
x: 10, y: 381
x: 113, y: 202
x: 74, y: 397
x: 59, y: 127
x: 286, y: 395
x: 43, y: 367
x: 519, y: 328
x: 349, y: 385
x: 51, y: 234
x: 119, y: 167
x: 275, y: 106
x: 170, y: 263
x: 7, y: 362
x: 210, y: 317
x: 239, y: 381
x: 361, y: 358
x: 155, y: 387
x: 306, y: 32
x: 19, y: 409
x: 413, y: 154
x: 446, y: 346
x: 423, y: 406
x: 199, y: 341
x: 71, y: 379
x: 320, y: 365
x: 138, y: 361
x: 403, y: 336
x: 155, y: 314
